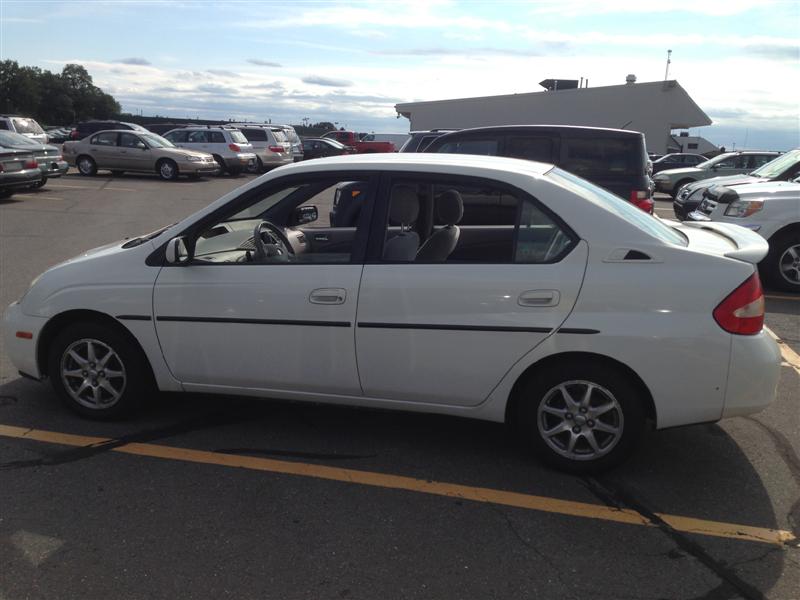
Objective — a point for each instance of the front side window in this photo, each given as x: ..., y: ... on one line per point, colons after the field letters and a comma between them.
x: 469, y: 221
x: 283, y: 219
x: 128, y: 140
x: 197, y: 137
x: 107, y: 138
x: 177, y: 137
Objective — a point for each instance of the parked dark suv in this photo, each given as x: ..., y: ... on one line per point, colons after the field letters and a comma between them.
x: 87, y: 128
x: 614, y: 159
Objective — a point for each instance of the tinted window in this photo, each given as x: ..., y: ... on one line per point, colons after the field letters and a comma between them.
x: 530, y: 148
x: 480, y: 147
x: 758, y: 161
x: 216, y: 137
x: 105, y: 139
x: 602, y: 156
x: 692, y: 146
x: 255, y: 135
x: 3, y: 124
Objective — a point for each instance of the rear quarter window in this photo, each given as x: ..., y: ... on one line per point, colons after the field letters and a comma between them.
x: 602, y: 156
x: 255, y: 135
x: 479, y: 147
x: 237, y: 136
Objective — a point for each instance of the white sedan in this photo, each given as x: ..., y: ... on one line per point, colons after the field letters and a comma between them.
x: 475, y: 286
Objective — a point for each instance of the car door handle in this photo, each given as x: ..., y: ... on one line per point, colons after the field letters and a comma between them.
x: 539, y: 298
x: 328, y: 296
x: 320, y: 237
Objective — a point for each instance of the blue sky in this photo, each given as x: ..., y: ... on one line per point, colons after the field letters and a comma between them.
x: 351, y: 62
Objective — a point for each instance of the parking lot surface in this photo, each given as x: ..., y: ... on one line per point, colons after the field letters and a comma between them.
x: 221, y: 497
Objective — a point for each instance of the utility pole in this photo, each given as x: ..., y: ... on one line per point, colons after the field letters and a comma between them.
x: 666, y: 72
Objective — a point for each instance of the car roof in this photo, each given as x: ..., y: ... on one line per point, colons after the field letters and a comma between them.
x: 502, y: 129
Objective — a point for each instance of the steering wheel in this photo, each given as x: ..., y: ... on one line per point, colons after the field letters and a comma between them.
x: 277, y: 249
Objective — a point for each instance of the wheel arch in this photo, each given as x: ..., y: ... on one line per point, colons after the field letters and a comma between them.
x: 791, y: 227
x: 546, y: 362
x: 57, y: 324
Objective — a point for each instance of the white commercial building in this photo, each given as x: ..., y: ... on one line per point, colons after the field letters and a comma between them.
x: 691, y: 143
x: 654, y: 108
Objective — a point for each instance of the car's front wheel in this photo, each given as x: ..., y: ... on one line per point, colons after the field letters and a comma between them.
x: 167, y: 169
x: 97, y: 371
x: 579, y: 416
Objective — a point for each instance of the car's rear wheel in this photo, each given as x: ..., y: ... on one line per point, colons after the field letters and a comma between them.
x: 260, y: 166
x: 167, y: 169
x: 86, y: 165
x: 781, y: 267
x: 97, y: 371
x: 40, y: 184
x: 579, y: 416
x: 221, y: 163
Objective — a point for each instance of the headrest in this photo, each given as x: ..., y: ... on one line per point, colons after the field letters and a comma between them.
x: 404, y: 205
x: 449, y: 207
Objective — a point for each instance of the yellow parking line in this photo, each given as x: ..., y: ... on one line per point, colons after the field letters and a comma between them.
x: 422, y: 486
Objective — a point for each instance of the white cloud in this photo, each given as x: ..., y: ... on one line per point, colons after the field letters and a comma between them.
x: 582, y: 8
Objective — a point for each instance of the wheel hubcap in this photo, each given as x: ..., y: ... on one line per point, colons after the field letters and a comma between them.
x: 789, y: 264
x: 167, y: 170
x: 580, y: 420
x: 85, y: 166
x: 93, y: 374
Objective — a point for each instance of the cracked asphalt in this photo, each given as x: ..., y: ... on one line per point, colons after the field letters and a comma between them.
x: 93, y: 522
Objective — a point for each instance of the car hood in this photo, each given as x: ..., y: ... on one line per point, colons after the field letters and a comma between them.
x: 732, y: 180
x: 771, y: 190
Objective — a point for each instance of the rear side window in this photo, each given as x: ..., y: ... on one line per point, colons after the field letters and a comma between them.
x: 602, y: 156
x: 106, y: 138
x: 237, y: 136
x: 216, y: 137
x: 255, y: 135
x: 480, y: 147
x: 530, y: 148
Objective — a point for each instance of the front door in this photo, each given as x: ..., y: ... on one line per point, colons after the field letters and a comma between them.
x: 134, y: 154
x: 234, y: 318
x: 480, y: 275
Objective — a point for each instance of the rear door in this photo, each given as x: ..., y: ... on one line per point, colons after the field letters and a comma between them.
x: 446, y: 330
x: 104, y: 150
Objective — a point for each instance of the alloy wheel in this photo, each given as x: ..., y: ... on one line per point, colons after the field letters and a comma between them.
x: 789, y: 264
x: 93, y: 373
x: 580, y: 420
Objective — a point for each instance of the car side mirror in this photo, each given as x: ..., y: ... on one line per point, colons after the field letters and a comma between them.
x: 305, y: 214
x: 714, y: 167
x: 177, y: 251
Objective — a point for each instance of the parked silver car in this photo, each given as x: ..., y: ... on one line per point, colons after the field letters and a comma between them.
x: 729, y: 163
x: 51, y: 162
x: 24, y: 126
x: 123, y: 150
x: 18, y: 169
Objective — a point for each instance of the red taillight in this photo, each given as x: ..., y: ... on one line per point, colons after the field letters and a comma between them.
x: 642, y: 199
x: 742, y: 312
x: 31, y: 164
x: 276, y: 148
x: 73, y: 135
x: 234, y: 147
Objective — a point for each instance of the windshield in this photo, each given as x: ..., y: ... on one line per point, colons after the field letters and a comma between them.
x: 26, y: 125
x: 630, y: 213
x: 10, y: 139
x: 156, y: 141
x: 775, y: 168
x: 715, y: 160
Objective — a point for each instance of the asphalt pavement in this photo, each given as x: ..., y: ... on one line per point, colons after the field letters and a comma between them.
x: 222, y: 497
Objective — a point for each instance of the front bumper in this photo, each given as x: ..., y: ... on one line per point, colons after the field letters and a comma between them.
x: 198, y: 168
x: 22, y: 350
x: 753, y: 374
x: 242, y: 160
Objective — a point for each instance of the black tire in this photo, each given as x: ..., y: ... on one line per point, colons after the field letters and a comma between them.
x: 260, y: 168
x: 135, y: 384
x: 167, y: 169
x: 612, y: 386
x: 222, y: 168
x: 6, y: 194
x: 86, y: 165
x: 781, y: 267
x: 40, y: 184
x: 678, y: 187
